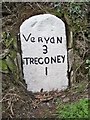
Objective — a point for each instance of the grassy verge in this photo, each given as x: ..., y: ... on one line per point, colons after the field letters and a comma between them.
x: 74, y: 110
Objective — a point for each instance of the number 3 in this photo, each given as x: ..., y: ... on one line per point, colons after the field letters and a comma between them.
x: 45, y: 50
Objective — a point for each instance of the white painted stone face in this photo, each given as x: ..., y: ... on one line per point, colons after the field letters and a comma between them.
x: 44, y: 53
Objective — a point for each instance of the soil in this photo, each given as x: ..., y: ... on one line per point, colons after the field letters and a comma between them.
x: 17, y: 102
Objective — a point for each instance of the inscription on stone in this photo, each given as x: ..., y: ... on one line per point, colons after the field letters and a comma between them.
x: 44, y: 53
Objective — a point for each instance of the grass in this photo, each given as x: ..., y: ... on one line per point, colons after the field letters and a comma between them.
x: 74, y: 110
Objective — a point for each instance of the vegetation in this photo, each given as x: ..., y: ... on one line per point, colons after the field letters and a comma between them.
x: 77, y: 16
x: 8, y: 58
x: 9, y: 53
x: 73, y: 110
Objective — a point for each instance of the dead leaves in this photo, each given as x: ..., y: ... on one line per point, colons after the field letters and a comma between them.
x: 44, y: 97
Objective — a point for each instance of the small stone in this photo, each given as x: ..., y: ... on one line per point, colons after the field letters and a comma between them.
x: 66, y: 99
x: 49, y: 105
x: 63, y: 96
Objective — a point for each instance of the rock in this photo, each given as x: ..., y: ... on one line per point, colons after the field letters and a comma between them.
x: 66, y: 99
x: 70, y: 58
x: 44, y: 52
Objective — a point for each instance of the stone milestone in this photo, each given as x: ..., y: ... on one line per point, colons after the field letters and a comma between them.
x: 44, y: 53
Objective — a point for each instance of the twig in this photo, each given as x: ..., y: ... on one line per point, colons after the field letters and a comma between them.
x: 79, y: 66
x: 30, y: 5
x: 9, y: 94
x: 9, y: 104
x: 7, y: 8
x: 11, y: 108
x: 85, y: 40
x: 42, y: 8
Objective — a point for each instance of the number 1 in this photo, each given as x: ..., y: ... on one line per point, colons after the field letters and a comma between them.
x: 46, y: 71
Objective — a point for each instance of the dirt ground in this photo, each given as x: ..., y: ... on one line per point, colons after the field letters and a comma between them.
x: 17, y: 102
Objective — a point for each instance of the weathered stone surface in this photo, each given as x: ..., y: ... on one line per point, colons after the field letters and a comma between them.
x: 44, y: 53
x: 70, y: 58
